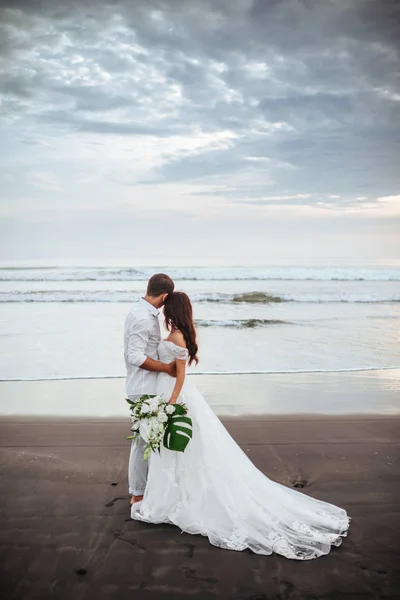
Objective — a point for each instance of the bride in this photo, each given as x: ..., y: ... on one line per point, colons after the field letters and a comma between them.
x: 213, y: 488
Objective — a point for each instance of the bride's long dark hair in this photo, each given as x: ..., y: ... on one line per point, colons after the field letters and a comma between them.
x: 179, y: 315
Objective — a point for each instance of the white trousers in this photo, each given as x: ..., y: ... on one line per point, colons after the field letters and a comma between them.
x: 138, y: 467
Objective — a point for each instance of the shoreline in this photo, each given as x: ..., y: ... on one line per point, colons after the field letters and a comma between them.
x: 212, y: 373
x: 317, y: 393
x: 227, y: 419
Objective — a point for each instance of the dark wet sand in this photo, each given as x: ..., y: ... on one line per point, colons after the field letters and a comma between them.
x: 64, y: 506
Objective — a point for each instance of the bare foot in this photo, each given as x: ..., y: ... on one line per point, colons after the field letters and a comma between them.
x: 136, y: 499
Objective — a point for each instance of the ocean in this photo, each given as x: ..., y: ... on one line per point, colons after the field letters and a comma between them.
x: 67, y: 321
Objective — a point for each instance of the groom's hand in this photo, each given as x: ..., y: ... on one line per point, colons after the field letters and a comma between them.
x: 171, y: 369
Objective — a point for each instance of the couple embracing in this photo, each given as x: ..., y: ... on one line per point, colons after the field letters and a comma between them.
x: 212, y: 488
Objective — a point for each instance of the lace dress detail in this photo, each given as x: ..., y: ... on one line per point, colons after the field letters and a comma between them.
x: 168, y: 351
x: 236, y: 541
x: 213, y: 489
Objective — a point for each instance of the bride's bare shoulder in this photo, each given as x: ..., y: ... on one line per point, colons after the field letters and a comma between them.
x: 177, y: 338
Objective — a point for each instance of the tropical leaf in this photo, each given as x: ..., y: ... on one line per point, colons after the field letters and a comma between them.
x: 178, y: 431
x: 179, y: 409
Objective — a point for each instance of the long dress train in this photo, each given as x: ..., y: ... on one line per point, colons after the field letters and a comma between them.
x: 213, y: 489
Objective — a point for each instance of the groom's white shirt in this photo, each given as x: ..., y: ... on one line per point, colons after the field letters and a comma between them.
x: 141, y: 340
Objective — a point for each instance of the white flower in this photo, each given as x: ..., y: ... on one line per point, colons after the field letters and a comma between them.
x: 145, y: 429
x: 153, y: 405
x: 145, y: 409
x: 169, y: 409
x: 135, y: 425
x: 160, y: 427
x: 162, y: 417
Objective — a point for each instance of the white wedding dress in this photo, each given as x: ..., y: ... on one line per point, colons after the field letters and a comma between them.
x: 213, y: 489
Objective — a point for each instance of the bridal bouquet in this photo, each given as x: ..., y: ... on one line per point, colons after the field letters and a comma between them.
x: 157, y: 421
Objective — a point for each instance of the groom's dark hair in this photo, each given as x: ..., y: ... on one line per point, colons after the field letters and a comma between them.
x: 160, y: 284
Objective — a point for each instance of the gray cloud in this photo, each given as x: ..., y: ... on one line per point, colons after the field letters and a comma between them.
x: 309, y: 88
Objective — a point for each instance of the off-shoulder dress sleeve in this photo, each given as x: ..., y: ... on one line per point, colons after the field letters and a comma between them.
x: 179, y: 352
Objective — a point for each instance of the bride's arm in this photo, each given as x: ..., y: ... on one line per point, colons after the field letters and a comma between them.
x: 181, y: 358
x: 180, y: 379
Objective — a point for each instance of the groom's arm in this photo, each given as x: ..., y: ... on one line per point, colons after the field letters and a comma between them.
x: 139, y: 334
x: 155, y: 365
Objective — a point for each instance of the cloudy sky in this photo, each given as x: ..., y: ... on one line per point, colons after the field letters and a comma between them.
x: 232, y: 130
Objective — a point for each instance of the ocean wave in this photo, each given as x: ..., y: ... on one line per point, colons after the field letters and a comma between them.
x: 256, y: 298
x: 239, y: 323
x: 264, y: 298
x: 245, y: 297
x: 70, y: 296
x: 200, y: 273
x: 128, y: 296
x: 74, y: 275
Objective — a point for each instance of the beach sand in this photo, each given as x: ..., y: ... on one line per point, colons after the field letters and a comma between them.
x: 66, y: 531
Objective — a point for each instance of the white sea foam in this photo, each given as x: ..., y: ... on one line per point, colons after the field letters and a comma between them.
x: 324, y: 296
x: 202, y: 273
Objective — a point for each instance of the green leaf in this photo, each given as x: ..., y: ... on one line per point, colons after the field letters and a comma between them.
x: 179, y: 410
x: 178, y: 432
x: 144, y: 397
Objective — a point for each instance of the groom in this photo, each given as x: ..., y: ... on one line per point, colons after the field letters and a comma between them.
x: 141, y: 340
